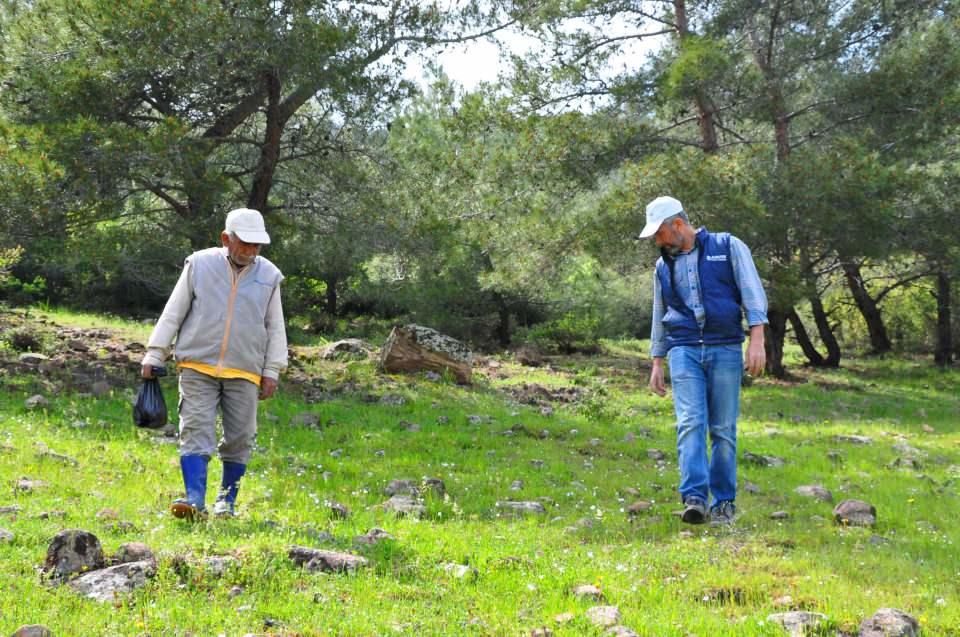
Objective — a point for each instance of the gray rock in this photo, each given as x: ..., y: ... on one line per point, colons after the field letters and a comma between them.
x: 305, y: 419
x: 435, y: 486
x: 656, y: 454
x: 433, y: 377
x: 638, y: 507
x: 393, y: 399
x: 814, y: 491
x: 105, y: 585
x: 315, y: 560
x: 855, y: 513
x: 588, y: 591
x: 529, y: 356
x: 889, y: 622
x: 853, y: 440
x: 373, y: 536
x: 621, y: 631
x: 763, y: 461
x: 780, y: 515
x: 339, y: 511
x: 404, y: 505
x: 73, y: 551
x: 32, y: 359
x: 516, y: 485
x: 5, y: 535
x: 460, y: 571
x: 402, y: 486
x: 604, y: 616
x: 443, y: 420
x: 909, y: 452
x: 349, y: 348
x: 521, y: 508
x: 218, y: 565
x: 542, y: 631
x: 798, y: 623
x: 78, y: 346
x: 33, y: 630
x: 133, y: 552
x: 10, y: 508
x: 750, y: 487
x: 37, y: 401
x: 28, y: 485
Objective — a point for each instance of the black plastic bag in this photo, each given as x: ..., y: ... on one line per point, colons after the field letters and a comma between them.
x: 150, y: 410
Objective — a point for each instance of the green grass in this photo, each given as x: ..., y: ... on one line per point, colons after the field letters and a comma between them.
x: 666, y: 578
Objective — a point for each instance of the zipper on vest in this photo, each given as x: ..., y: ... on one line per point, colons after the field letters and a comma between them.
x: 235, y: 277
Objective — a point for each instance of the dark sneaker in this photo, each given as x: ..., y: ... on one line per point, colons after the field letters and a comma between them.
x: 723, y: 513
x: 185, y: 510
x: 694, y: 511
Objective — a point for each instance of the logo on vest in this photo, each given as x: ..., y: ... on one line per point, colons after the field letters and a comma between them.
x: 716, y: 257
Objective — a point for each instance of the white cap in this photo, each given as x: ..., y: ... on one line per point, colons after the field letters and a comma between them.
x: 248, y: 225
x: 657, y: 210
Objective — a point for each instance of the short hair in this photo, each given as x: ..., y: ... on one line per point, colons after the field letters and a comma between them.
x: 679, y: 215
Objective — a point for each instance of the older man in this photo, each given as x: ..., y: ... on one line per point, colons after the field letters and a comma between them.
x: 703, y: 285
x: 226, y: 316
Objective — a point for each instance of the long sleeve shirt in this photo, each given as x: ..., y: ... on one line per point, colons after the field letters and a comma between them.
x: 178, y: 305
x: 753, y: 299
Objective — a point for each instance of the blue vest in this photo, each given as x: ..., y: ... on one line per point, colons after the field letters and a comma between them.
x: 723, y: 320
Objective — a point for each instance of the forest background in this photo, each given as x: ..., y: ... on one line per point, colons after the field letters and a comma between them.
x: 823, y: 133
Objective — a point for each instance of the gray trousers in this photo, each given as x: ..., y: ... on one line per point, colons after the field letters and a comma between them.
x: 200, y: 398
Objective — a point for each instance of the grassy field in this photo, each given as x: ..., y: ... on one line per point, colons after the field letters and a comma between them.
x: 586, y: 460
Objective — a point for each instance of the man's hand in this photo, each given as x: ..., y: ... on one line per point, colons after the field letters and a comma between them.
x: 267, y: 387
x: 657, y: 385
x: 756, y: 353
x: 146, y: 371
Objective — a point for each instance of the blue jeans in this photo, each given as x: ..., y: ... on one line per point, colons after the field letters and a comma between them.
x: 706, y: 397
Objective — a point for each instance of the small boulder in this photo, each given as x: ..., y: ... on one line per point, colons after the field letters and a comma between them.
x: 460, y: 571
x: 404, y: 505
x: 588, y: 591
x: 521, y: 508
x: 814, y: 491
x: 529, y: 356
x: 32, y: 359
x: 889, y: 622
x: 5, y: 535
x: 853, y: 440
x: 27, y: 485
x: 37, y: 401
x: 855, y: 513
x: 218, y: 565
x: 347, y: 349
x: 621, y: 631
x: 373, y: 536
x: 105, y: 585
x: 638, y: 507
x: 305, y: 419
x: 33, y: 630
x: 763, y: 461
x: 133, y: 552
x: 339, y: 511
x: 798, y: 623
x: 419, y: 348
x: 604, y: 616
x: 402, y: 487
x: 435, y: 486
x: 315, y: 560
x: 73, y: 551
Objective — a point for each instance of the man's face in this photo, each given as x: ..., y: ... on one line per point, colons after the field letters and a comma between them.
x: 241, y: 252
x: 669, y: 238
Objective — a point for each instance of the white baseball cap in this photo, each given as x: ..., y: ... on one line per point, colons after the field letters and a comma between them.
x: 657, y: 210
x: 247, y: 224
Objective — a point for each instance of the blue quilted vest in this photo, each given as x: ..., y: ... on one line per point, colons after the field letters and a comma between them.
x: 721, y: 297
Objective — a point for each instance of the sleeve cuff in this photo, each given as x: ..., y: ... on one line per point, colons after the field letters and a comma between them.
x: 154, y: 356
x: 658, y: 352
x: 756, y: 318
x: 269, y: 372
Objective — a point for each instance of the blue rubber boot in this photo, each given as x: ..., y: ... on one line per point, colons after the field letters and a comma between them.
x: 192, y: 507
x: 227, y: 498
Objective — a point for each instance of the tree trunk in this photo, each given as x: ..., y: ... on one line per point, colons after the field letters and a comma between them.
x: 943, y: 355
x: 706, y: 111
x: 776, y: 331
x: 502, y: 331
x: 270, y: 149
x: 879, y: 340
x: 825, y: 331
x: 800, y: 332
x: 330, y: 307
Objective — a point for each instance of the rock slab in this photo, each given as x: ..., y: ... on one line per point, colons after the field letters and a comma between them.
x: 890, y: 622
x: 106, y: 584
x: 331, y: 561
x: 798, y: 623
x: 855, y: 513
x: 415, y: 348
x: 73, y: 551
